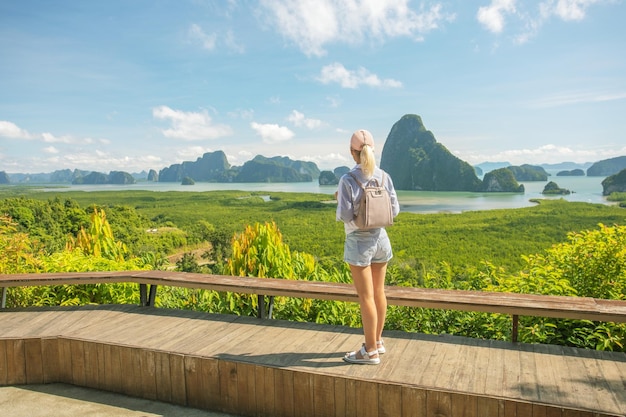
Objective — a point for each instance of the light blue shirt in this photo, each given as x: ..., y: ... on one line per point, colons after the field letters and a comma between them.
x: 349, y: 195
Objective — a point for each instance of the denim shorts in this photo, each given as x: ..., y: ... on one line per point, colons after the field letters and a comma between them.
x: 363, y: 247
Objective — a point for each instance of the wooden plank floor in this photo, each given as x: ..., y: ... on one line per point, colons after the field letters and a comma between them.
x: 469, y: 369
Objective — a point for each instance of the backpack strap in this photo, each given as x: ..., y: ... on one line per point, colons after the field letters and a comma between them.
x: 363, y: 185
x: 357, y: 180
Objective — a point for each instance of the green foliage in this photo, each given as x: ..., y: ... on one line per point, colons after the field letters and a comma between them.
x: 260, y: 252
x: 18, y: 252
x: 463, y: 240
x: 77, y: 261
x: 551, y: 248
x: 188, y: 263
x: 95, y: 253
x: 592, y: 263
x: 501, y: 237
x: 48, y: 221
x: 618, y: 197
x: 98, y: 240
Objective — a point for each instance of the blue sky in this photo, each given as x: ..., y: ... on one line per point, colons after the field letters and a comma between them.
x: 138, y: 84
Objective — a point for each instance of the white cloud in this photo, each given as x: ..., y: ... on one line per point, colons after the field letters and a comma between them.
x: 330, y: 161
x: 232, y: 44
x: 197, y: 34
x: 50, y: 138
x: 545, y: 154
x: 578, y: 97
x: 337, y: 73
x: 492, y: 16
x: 191, y: 153
x: 245, y: 114
x: 13, y: 131
x: 299, y: 120
x: 272, y: 133
x: 90, y: 160
x: 567, y: 9
x: 210, y: 41
x: 51, y: 150
x: 240, y: 157
x: 190, y: 125
x: 311, y: 24
x: 496, y: 17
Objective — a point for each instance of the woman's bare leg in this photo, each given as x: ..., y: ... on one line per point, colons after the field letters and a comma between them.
x: 364, y: 284
x: 379, y: 270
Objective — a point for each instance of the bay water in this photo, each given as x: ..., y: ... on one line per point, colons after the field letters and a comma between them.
x: 584, y: 189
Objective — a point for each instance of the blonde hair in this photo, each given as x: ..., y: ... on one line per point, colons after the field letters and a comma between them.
x: 367, y: 161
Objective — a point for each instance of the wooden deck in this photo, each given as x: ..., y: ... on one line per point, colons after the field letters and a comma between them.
x: 250, y: 367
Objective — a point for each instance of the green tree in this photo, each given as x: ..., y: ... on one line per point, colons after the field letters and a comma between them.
x: 18, y: 254
x: 188, y: 263
x: 591, y: 263
x: 98, y: 240
x: 259, y: 251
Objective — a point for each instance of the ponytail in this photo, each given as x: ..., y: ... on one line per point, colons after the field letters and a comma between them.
x: 367, y: 161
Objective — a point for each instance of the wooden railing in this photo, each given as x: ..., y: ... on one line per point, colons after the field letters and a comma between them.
x: 515, y: 305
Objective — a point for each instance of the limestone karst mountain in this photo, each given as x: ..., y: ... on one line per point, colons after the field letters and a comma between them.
x: 416, y: 161
x: 607, y: 167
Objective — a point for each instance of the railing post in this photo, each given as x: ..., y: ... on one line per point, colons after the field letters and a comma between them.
x: 152, y: 295
x: 3, y: 303
x: 262, y: 312
x: 143, y: 297
x: 515, y: 328
x: 271, y: 308
x: 261, y: 306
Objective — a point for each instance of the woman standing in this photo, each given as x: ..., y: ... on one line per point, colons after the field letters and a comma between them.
x: 367, y: 251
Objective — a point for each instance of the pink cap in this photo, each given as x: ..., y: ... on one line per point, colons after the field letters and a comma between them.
x: 360, y: 138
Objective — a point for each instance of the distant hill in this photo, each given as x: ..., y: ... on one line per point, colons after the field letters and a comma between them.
x: 607, y: 167
x: 490, y: 166
x: 214, y: 167
x: 332, y: 178
x: 277, y: 169
x: 152, y: 176
x: 571, y: 173
x: 328, y: 178
x: 552, y: 188
x: 63, y: 176
x: 615, y: 183
x: 211, y: 167
x: 114, y: 177
x: 563, y: 166
x: 416, y: 161
x: 528, y: 173
x: 501, y: 180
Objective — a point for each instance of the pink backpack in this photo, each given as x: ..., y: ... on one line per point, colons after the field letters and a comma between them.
x: 375, y: 207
